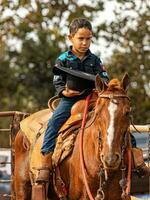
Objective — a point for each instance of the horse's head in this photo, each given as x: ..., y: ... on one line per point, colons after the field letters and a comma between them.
x: 112, y: 109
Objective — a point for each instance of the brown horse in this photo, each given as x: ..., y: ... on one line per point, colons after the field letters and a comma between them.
x: 104, y: 140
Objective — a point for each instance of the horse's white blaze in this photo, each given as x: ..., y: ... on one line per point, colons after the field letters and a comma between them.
x: 112, y: 109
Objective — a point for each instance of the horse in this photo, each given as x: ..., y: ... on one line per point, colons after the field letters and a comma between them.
x: 105, y: 140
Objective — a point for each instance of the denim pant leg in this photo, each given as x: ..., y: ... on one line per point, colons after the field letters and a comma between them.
x: 60, y: 115
x: 133, y: 141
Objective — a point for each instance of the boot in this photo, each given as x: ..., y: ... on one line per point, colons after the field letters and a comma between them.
x: 139, y: 165
x: 45, y: 169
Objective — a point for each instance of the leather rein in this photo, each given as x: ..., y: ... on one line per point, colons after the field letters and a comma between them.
x: 125, y: 186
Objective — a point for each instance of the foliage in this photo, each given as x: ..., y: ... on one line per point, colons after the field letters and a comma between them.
x: 130, y: 33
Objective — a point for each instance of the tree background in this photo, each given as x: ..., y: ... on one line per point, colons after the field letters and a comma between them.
x: 34, y: 33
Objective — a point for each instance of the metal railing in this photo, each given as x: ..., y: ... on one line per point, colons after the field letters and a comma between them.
x: 13, y: 129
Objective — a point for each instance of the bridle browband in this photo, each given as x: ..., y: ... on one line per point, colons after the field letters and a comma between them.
x: 112, y: 96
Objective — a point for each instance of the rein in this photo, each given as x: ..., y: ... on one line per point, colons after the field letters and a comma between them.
x: 125, y: 183
x: 81, y: 147
x: 125, y: 186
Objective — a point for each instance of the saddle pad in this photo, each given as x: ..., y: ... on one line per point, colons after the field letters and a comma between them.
x: 35, y: 123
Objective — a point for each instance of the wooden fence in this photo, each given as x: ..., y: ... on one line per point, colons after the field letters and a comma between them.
x: 13, y: 128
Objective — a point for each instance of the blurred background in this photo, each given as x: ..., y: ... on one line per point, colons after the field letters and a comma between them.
x: 34, y: 32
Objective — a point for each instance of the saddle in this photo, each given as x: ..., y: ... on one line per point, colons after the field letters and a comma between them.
x: 35, y: 125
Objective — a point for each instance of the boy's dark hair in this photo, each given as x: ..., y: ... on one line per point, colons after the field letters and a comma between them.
x: 79, y: 23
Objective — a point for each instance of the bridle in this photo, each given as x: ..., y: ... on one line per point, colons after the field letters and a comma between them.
x: 123, y: 182
x: 111, y: 96
x: 100, y: 194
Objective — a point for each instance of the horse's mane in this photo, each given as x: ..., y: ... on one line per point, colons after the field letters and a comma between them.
x: 114, y: 84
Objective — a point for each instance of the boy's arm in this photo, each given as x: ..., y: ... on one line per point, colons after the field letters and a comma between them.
x: 59, y: 83
x: 100, y: 69
x: 59, y: 79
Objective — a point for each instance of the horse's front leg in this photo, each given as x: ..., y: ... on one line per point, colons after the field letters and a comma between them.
x: 22, y: 179
x: 23, y: 190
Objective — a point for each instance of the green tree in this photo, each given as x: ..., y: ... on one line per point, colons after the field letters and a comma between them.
x: 130, y: 34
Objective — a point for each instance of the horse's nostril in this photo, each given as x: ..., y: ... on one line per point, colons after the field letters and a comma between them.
x: 111, y: 159
x: 115, y: 158
x: 118, y: 156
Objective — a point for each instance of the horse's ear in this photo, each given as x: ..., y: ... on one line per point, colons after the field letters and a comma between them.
x: 125, y: 82
x: 99, y: 83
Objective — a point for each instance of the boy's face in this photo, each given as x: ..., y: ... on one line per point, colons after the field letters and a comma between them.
x: 81, y: 41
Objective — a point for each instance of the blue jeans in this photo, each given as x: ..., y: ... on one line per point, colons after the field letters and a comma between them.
x: 60, y: 115
x: 133, y: 141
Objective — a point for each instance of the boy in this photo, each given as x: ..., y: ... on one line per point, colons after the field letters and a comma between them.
x: 69, y: 87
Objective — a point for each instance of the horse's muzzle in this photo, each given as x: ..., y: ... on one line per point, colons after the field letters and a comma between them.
x: 111, y: 160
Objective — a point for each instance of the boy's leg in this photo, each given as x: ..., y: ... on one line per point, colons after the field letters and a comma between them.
x: 138, y: 159
x: 139, y: 164
x: 60, y: 115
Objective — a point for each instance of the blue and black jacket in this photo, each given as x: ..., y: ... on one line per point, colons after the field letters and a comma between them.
x: 90, y: 64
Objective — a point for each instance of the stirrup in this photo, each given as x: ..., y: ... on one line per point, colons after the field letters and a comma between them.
x: 43, y: 175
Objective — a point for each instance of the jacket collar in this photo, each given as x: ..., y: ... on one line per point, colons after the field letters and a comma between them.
x: 71, y: 53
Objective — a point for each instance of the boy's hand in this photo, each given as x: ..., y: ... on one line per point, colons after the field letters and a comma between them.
x: 70, y: 93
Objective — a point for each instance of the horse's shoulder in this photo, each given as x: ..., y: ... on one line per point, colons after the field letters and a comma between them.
x: 34, y: 123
